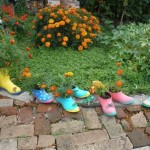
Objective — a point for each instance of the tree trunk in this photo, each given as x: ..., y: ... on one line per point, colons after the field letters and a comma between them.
x: 64, y: 3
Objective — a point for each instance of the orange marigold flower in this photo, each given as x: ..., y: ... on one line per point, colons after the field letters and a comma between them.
x: 26, y: 69
x: 65, y: 39
x: 47, y: 44
x: 64, y: 43
x: 67, y: 20
x: 84, y: 33
x: 27, y: 48
x: 12, y: 41
x: 45, y: 27
x: 30, y: 55
x: 58, y: 34
x: 119, y: 83
x: 56, y: 95
x: 77, y: 36
x: 33, y: 27
x: 64, y: 18
x: 39, y: 34
x: 69, y: 91
x: 40, y: 17
x: 51, y: 21
x: 74, y: 28
x: 12, y: 33
x: 57, y: 24
x: 118, y: 64
x: 43, y: 40
x: 52, y: 14
x: 49, y: 36
x: 53, y: 88
x: 62, y: 23
x: 120, y: 72
x: 80, y: 48
x: 43, y: 85
x: 28, y: 75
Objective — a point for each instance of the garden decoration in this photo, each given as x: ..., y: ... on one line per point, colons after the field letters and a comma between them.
x: 63, y: 93
x: 79, y: 93
x: 104, y: 98
x: 87, y: 100
x: 40, y: 94
x: 116, y: 91
x: 10, y: 55
x: 59, y: 26
x: 146, y: 102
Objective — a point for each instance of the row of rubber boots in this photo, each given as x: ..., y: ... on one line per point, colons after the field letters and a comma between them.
x: 68, y: 103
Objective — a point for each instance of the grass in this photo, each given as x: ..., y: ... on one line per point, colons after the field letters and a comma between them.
x: 48, y: 65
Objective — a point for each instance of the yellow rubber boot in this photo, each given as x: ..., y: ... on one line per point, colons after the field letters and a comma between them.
x: 6, y: 84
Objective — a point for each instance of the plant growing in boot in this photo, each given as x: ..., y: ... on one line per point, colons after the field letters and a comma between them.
x: 63, y: 93
x: 104, y: 98
x: 10, y: 55
x: 40, y: 93
x: 116, y: 88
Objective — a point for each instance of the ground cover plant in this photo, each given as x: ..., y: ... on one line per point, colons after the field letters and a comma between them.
x: 96, y: 63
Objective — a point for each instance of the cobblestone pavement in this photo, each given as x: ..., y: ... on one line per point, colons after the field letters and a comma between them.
x: 34, y: 126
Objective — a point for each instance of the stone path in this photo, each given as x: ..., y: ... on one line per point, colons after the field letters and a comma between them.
x: 27, y: 125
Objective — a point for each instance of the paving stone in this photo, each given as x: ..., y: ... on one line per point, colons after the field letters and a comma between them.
x: 76, y: 116
x: 74, y: 126
x: 99, y: 111
x: 19, y: 103
x: 126, y: 126
x: 42, y: 126
x: 17, y: 131
x: 65, y: 142
x: 115, y: 130
x: 6, y: 102
x: 106, y: 120
x: 8, y: 111
x: 6, y: 121
x: 147, y: 130
x: 147, y: 114
x: 25, y: 115
x: 132, y: 108
x: 139, y: 120
x: 138, y: 138
x: 122, y: 143
x: 46, y: 141
x: 85, y: 147
x: 142, y: 148
x: 90, y: 137
x: 54, y: 116
x: 91, y: 119
x: 120, y: 113
x: 46, y: 107
x: 27, y: 142
x: 8, y: 144
x: 49, y: 148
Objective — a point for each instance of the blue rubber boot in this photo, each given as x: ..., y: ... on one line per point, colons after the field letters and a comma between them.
x: 80, y: 93
x: 68, y: 104
x: 42, y: 96
x: 146, y: 102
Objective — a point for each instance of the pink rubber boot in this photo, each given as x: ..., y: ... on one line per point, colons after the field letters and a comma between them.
x: 107, y: 106
x: 121, y: 98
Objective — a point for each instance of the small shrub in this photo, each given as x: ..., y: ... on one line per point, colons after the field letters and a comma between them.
x: 13, y: 23
x: 131, y: 44
x: 58, y: 26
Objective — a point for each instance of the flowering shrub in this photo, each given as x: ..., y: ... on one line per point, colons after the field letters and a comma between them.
x: 12, y: 22
x: 10, y: 55
x: 65, y: 88
x: 117, y: 86
x: 58, y: 26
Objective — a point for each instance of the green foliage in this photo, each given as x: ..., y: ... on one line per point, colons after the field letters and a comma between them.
x: 20, y: 7
x: 131, y: 45
x: 119, y: 10
x: 10, y: 54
